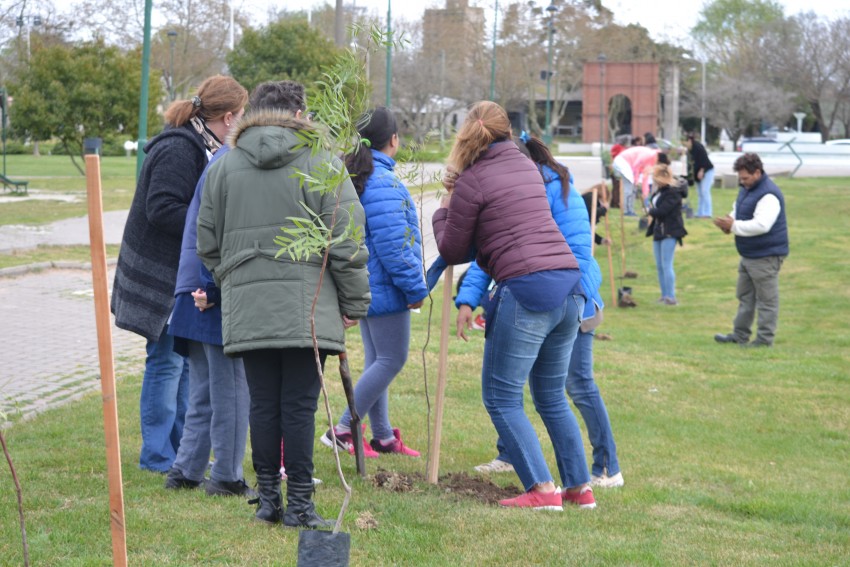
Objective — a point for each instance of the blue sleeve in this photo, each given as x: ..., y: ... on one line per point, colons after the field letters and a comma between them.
x: 474, y: 287
x: 208, y: 283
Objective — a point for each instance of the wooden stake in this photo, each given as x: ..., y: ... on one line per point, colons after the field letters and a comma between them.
x: 107, y: 370
x: 442, y: 374
x: 593, y: 220
x: 610, y: 262
x: 623, y: 229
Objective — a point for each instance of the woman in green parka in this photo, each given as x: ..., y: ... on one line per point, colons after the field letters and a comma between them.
x: 249, y: 194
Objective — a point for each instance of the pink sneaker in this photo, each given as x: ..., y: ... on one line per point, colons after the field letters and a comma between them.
x: 396, y: 446
x: 345, y: 442
x: 535, y: 500
x: 583, y: 498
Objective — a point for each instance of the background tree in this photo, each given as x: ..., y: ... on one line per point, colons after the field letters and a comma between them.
x: 808, y: 56
x: 286, y: 49
x: 740, y: 106
x: 70, y: 93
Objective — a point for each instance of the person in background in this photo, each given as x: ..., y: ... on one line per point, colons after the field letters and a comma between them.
x: 395, y: 279
x: 574, y: 223
x: 250, y: 193
x: 761, y: 237
x: 666, y: 228
x: 634, y: 166
x: 498, y: 207
x: 649, y: 141
x: 143, y: 290
x: 703, y: 176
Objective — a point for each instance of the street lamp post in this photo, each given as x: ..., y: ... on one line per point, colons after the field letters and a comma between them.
x: 172, y: 36
x: 702, y: 107
x: 389, y: 54
x: 493, y: 61
x: 601, y: 59
x: 29, y: 22
x: 547, y: 136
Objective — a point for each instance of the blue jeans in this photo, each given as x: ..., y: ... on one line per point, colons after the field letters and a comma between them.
x: 217, y: 417
x: 664, y: 251
x: 386, y: 341
x: 535, y: 346
x: 162, y: 406
x: 704, y: 205
x: 585, y: 395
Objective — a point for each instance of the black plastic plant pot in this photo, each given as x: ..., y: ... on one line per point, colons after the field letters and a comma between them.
x: 323, y: 549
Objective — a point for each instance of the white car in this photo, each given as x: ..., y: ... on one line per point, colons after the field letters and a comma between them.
x: 841, y: 142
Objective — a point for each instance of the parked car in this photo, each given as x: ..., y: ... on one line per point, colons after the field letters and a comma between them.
x: 755, y: 140
x: 840, y: 142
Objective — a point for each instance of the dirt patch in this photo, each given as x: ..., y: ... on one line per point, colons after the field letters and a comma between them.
x: 460, y: 485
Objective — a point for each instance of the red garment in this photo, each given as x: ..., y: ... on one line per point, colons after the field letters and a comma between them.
x: 616, y: 149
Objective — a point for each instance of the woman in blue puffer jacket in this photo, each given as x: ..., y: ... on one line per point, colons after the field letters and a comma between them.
x: 571, y: 216
x: 396, y: 280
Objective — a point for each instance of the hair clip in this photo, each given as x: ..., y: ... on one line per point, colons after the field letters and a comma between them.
x: 524, y: 137
x: 196, y: 101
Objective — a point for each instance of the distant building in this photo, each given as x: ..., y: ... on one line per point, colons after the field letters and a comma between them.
x: 452, y: 35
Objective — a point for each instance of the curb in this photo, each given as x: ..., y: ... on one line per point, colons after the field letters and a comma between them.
x: 56, y: 264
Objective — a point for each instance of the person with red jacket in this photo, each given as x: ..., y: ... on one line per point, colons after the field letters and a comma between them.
x: 498, y: 207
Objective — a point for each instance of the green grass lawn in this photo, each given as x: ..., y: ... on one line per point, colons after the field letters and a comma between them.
x: 731, y: 456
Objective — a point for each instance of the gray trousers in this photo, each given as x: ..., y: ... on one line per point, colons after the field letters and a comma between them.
x: 758, y: 290
x: 217, y: 417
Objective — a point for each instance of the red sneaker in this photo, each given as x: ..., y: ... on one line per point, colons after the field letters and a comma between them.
x: 396, y: 446
x: 582, y: 498
x: 536, y: 501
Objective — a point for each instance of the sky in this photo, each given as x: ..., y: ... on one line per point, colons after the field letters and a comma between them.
x: 666, y: 20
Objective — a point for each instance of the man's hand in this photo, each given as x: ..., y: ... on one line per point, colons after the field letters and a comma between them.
x: 348, y: 323
x: 464, y: 321
x: 724, y: 223
x: 200, y: 297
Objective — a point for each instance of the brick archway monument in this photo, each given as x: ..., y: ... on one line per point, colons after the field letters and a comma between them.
x: 639, y: 82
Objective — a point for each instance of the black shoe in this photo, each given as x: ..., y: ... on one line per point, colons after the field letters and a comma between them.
x: 268, y: 500
x: 300, y: 510
x: 175, y: 480
x: 229, y: 488
x: 730, y: 338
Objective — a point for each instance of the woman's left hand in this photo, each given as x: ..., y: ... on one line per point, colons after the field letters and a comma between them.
x: 348, y: 323
x: 200, y: 297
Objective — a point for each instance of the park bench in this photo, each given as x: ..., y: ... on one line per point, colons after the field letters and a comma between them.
x: 13, y: 185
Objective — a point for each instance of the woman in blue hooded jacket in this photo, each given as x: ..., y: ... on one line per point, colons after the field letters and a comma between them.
x: 571, y: 216
x: 396, y: 280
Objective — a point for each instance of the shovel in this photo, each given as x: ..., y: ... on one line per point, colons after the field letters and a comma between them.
x: 356, y: 431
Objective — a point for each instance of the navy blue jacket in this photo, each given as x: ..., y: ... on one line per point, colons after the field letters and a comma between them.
x: 187, y: 321
x: 775, y: 241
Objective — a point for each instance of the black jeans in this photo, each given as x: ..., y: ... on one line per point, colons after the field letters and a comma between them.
x: 284, y: 387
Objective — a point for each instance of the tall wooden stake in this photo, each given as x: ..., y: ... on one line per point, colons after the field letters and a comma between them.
x: 610, y: 262
x: 622, y: 230
x: 107, y: 370
x: 442, y: 374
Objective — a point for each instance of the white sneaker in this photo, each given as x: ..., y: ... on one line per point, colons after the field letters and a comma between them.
x: 316, y: 481
x: 606, y: 481
x: 495, y: 466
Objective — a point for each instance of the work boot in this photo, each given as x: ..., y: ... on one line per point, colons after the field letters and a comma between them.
x: 300, y: 510
x: 175, y: 480
x: 268, y: 497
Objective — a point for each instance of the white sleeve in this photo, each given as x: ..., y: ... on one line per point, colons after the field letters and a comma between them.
x: 766, y: 213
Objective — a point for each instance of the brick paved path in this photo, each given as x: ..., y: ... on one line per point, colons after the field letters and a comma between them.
x: 48, y: 342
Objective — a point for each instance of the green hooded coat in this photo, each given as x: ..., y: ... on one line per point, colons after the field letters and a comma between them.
x: 248, y: 196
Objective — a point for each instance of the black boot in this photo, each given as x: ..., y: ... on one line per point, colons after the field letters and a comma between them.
x: 268, y: 500
x: 301, y: 512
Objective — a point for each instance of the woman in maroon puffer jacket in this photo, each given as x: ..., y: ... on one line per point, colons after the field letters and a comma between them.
x: 497, y: 205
